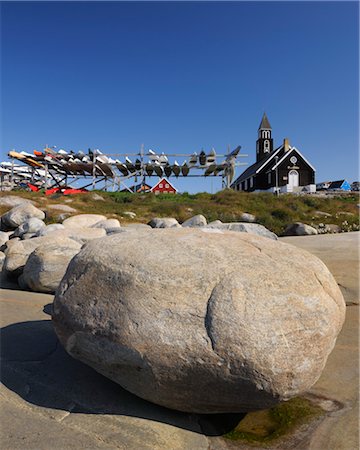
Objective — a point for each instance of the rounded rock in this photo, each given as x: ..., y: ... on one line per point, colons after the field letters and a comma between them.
x: 203, y: 320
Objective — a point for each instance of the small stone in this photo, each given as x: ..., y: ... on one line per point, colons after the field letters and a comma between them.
x: 64, y: 208
x: 130, y: 214
x: 247, y: 217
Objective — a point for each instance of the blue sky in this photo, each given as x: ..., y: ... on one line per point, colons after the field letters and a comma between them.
x: 181, y: 76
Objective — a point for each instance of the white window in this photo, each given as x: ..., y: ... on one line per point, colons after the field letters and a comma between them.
x: 269, y: 177
x: 266, y: 146
x: 265, y: 134
x: 166, y: 185
x: 161, y: 185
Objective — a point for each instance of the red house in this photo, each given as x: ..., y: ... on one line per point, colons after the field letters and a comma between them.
x: 164, y: 187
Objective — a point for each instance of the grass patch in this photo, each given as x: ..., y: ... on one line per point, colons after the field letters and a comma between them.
x: 275, y: 213
x: 268, y: 425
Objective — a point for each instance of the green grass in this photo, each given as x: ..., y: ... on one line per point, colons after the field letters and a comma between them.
x: 268, y: 425
x: 273, y: 212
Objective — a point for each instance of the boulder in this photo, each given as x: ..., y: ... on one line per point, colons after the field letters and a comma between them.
x: 247, y: 217
x: 48, y: 229
x: 200, y: 320
x: 18, y: 252
x: 20, y: 214
x: 299, y: 229
x: 47, y: 265
x: 107, y: 224
x: 4, y: 237
x: 196, y: 221
x: 164, y: 222
x: 12, y: 200
x: 63, y: 208
x: 32, y: 225
x: 79, y: 234
x: 83, y: 220
x: 252, y: 228
x: 5, y: 248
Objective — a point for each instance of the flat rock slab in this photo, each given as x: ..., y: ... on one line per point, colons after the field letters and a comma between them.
x: 340, y: 253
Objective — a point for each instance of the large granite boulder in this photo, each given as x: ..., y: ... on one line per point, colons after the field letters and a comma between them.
x: 79, y: 234
x: 83, y: 220
x: 195, y: 221
x: 200, y: 320
x: 164, y: 222
x: 32, y: 225
x: 47, y: 265
x: 299, y: 229
x: 20, y: 214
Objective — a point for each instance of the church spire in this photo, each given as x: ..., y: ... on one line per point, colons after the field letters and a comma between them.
x: 264, y: 124
x: 264, y: 144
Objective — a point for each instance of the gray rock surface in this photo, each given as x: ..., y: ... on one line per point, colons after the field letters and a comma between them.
x: 4, y: 237
x: 48, y: 229
x: 28, y: 236
x: 321, y: 214
x: 83, y: 220
x: 2, y: 260
x: 107, y: 224
x: 64, y: 208
x: 243, y: 227
x: 32, y: 225
x: 97, y: 197
x: 20, y: 214
x: 227, y: 322
x: 195, y: 221
x: 299, y: 229
x: 137, y: 226
x: 247, y: 217
x: 47, y: 264
x: 12, y: 201
x: 164, y: 222
x: 18, y: 253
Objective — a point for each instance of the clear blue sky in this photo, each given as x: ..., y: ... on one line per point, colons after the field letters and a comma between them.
x: 177, y: 77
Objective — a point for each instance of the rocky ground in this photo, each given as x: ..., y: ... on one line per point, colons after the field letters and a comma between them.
x: 49, y: 400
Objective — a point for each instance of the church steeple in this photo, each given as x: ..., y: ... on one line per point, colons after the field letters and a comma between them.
x: 264, y: 144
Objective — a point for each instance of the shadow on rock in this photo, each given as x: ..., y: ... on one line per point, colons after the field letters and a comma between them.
x: 37, y: 368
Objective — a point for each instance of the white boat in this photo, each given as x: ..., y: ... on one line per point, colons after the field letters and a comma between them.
x: 210, y: 158
x: 163, y: 159
x: 193, y: 159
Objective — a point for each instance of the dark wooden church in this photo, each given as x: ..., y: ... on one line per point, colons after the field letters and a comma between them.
x: 283, y: 169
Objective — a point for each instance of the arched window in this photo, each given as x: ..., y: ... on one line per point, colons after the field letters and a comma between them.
x: 266, y: 134
x: 266, y: 146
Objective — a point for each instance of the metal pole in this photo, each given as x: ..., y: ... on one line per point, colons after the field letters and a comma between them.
x: 94, y: 171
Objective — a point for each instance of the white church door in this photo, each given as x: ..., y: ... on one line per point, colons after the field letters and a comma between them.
x: 293, y: 178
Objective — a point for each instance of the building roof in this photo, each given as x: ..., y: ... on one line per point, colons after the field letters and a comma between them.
x: 250, y: 171
x: 264, y: 122
x: 336, y: 184
x: 163, y: 180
